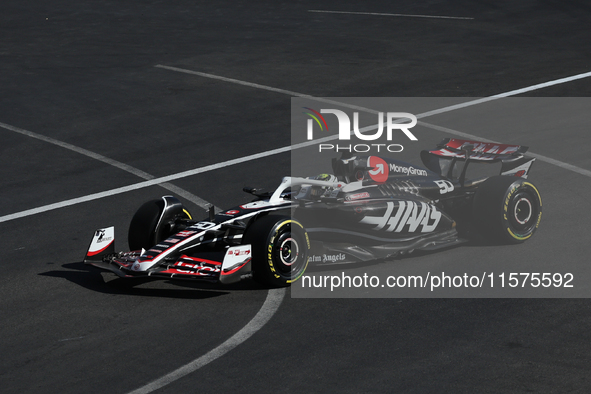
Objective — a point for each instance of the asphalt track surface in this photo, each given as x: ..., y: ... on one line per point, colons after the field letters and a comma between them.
x: 84, y: 73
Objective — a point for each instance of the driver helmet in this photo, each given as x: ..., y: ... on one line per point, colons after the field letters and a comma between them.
x: 325, y: 177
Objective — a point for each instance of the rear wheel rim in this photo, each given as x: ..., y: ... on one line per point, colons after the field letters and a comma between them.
x: 522, y: 213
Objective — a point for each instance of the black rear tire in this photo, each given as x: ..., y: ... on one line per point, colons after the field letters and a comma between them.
x: 507, y: 209
x: 280, y: 247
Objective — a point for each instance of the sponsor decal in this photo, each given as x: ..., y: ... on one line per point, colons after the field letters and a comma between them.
x: 101, y: 241
x: 407, y: 170
x: 232, y: 212
x: 327, y: 258
x: 380, y: 171
x: 135, y: 267
x: 357, y: 196
x: 200, y: 267
x: 239, y: 252
x: 185, y: 233
x: 101, y: 236
x: 409, y: 216
x: 200, y: 260
x: 205, y: 271
x: 333, y: 258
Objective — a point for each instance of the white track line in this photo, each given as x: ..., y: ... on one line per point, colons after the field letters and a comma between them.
x: 265, y: 87
x: 122, y: 166
x: 506, y: 94
x: 231, y: 80
x: 453, y: 132
x: 546, y: 159
x: 384, y: 14
x: 450, y: 108
x: 157, y: 181
x: 425, y: 114
x: 267, y: 310
x: 274, y: 297
x: 141, y: 185
x: 271, y: 305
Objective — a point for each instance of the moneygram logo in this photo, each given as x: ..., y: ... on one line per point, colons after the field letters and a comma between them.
x: 394, y: 121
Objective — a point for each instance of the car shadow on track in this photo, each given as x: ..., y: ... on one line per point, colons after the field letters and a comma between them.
x: 104, y: 282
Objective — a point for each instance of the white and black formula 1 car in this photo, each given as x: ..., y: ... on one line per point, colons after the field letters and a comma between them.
x: 370, y: 208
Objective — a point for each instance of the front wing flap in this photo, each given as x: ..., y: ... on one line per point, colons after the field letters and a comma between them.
x: 233, y: 264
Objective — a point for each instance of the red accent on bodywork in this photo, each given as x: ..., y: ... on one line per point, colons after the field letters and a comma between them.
x: 99, y: 251
x: 482, y: 150
x: 236, y: 269
x: 201, y: 260
x: 184, y: 272
x: 380, y: 169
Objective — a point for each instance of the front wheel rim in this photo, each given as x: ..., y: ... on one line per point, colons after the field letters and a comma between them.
x: 288, y: 255
x: 289, y: 251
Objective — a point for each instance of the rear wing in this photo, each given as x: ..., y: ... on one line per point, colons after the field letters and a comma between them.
x: 450, y: 151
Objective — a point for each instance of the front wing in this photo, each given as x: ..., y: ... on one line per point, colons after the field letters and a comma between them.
x: 227, y: 266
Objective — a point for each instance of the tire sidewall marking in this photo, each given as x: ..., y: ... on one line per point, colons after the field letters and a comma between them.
x: 271, y: 244
x: 507, y: 224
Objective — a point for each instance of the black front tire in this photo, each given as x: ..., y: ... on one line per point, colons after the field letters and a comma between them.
x: 507, y: 209
x: 280, y: 247
x: 148, y: 227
